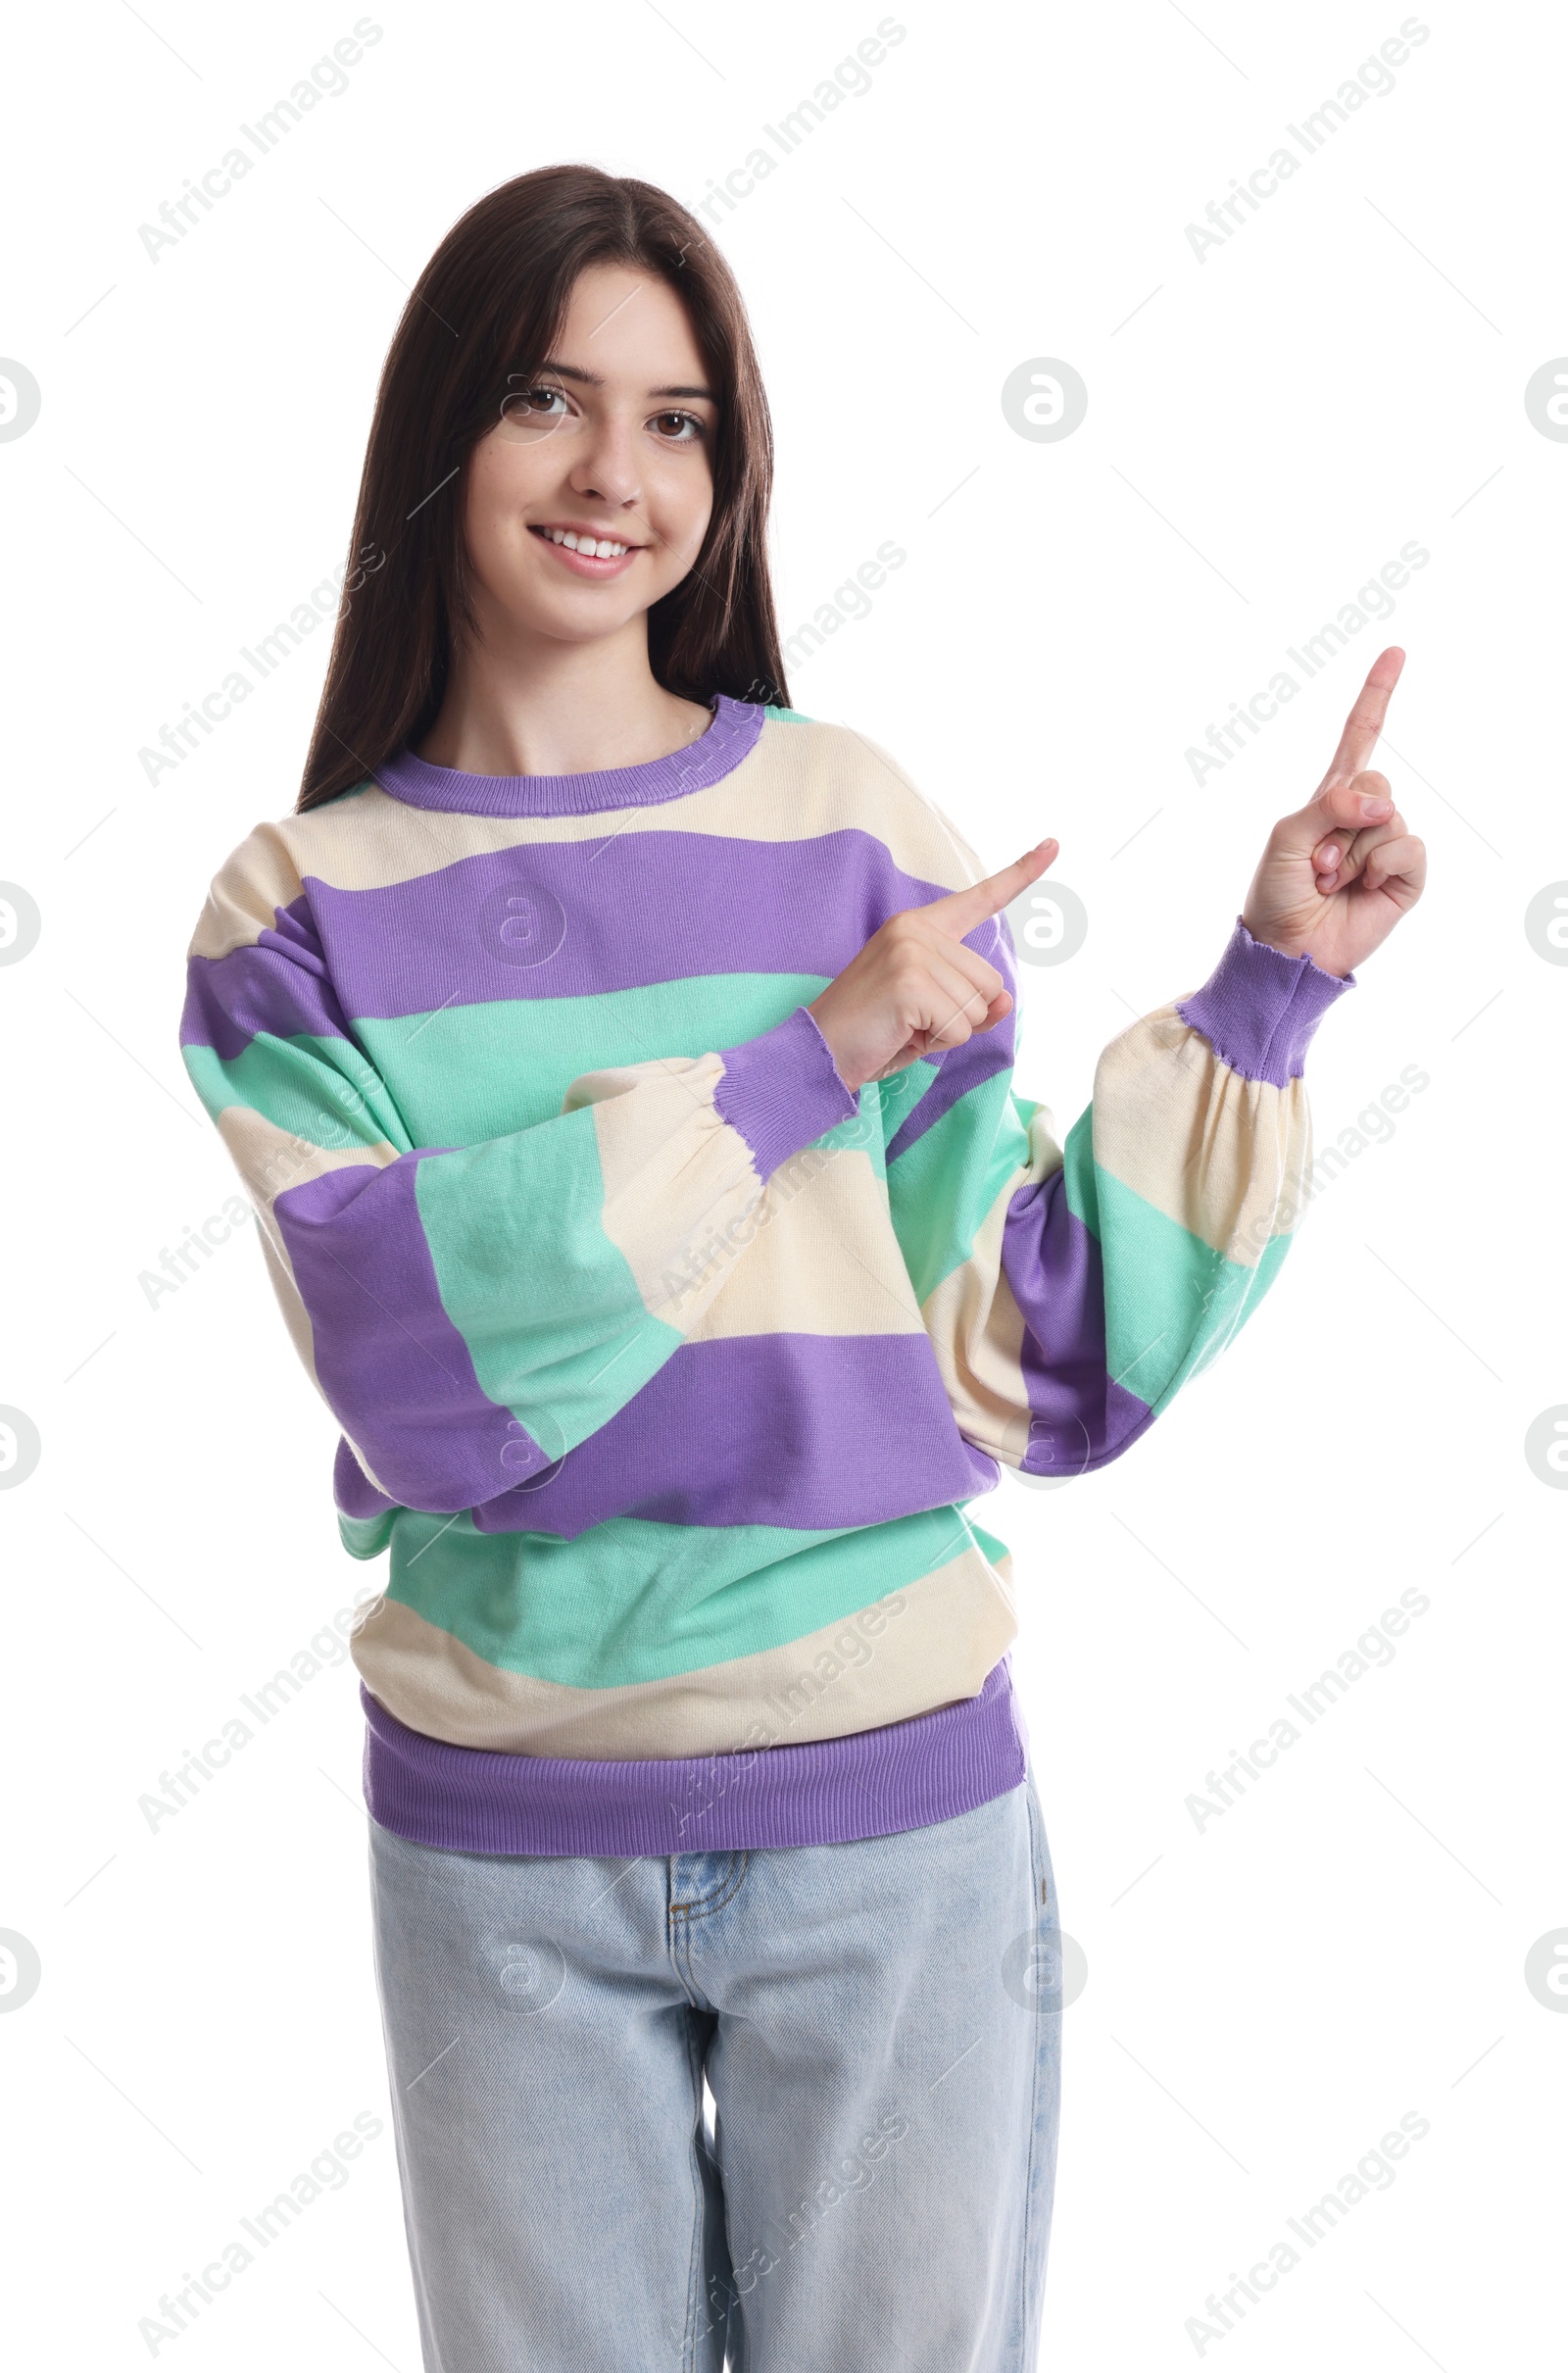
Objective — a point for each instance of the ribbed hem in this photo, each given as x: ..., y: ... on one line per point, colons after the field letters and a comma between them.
x: 873, y: 1784
x: 715, y: 754
x: 782, y: 1091
x: 1258, y: 1008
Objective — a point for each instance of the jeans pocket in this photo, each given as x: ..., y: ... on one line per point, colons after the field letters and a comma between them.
x: 1044, y: 1877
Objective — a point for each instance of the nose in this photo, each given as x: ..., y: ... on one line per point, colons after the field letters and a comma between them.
x: 605, y: 464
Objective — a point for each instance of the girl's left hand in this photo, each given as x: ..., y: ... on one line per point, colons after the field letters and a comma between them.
x: 1336, y: 876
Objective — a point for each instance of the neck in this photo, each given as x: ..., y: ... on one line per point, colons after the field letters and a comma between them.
x: 523, y: 704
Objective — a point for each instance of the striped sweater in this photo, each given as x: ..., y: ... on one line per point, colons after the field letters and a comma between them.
x: 667, y: 1368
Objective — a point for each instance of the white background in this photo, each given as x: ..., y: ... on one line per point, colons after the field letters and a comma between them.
x: 1266, y: 1996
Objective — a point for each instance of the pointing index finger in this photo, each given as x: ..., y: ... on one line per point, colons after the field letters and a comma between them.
x: 961, y: 910
x: 1365, y: 720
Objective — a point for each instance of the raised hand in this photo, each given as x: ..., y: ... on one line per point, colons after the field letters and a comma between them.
x: 915, y: 988
x: 1336, y: 876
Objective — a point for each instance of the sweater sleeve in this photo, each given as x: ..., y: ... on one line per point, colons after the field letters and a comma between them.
x: 470, y: 1313
x: 1070, y: 1290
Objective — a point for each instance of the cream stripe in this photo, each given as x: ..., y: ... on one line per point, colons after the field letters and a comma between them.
x: 253, y: 880
x: 976, y: 1332
x: 942, y: 1636
x: 296, y: 1317
x: 1222, y: 1156
x: 976, y: 1327
x: 821, y: 1257
x: 715, y: 1252
x: 271, y: 1159
x: 798, y: 781
x: 673, y: 1172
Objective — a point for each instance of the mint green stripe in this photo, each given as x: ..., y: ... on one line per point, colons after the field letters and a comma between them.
x: 366, y: 1536
x: 479, y: 1070
x: 862, y: 1134
x: 319, y: 1088
x: 993, y: 1548
x: 900, y: 1096
x: 1078, y: 1172
x: 1172, y: 1301
x: 630, y: 1601
x: 941, y: 1190
x: 551, y: 1316
x: 474, y: 1071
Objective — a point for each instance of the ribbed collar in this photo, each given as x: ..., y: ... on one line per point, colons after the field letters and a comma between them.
x: 715, y: 754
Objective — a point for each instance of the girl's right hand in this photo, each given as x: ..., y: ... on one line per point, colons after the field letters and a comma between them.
x: 915, y: 988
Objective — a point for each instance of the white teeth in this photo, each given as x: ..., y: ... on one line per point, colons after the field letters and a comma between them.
x: 599, y: 548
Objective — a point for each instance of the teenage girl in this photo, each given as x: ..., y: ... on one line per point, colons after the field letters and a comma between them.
x: 621, y: 1067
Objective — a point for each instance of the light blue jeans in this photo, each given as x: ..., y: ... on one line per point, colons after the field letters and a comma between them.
x: 877, y: 2027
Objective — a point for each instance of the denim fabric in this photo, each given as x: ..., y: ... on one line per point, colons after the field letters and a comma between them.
x: 875, y: 2022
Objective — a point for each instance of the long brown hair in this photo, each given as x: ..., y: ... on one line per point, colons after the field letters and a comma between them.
x: 490, y: 303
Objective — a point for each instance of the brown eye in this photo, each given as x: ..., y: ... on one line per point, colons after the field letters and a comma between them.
x: 532, y: 402
x: 686, y: 419
x: 528, y: 412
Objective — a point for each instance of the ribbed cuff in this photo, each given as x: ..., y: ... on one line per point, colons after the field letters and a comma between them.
x: 1259, y: 1008
x: 782, y: 1091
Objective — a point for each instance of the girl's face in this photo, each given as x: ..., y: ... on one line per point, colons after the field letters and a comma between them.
x: 608, y: 440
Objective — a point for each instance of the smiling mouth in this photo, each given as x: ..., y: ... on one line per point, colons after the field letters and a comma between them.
x: 586, y: 547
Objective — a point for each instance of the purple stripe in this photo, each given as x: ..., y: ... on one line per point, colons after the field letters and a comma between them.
x: 395, y: 1371
x: 353, y: 1492
x: 871, y: 1784
x: 964, y: 1067
x: 782, y: 1090
x: 717, y: 752
x: 1080, y: 1419
x: 280, y: 983
x: 1259, y: 1008
x: 574, y: 918
x: 814, y: 1432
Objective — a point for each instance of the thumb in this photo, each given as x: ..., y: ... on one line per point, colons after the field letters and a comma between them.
x: 961, y: 910
x: 1346, y: 806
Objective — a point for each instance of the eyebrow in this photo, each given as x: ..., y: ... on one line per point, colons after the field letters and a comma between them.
x: 592, y: 379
